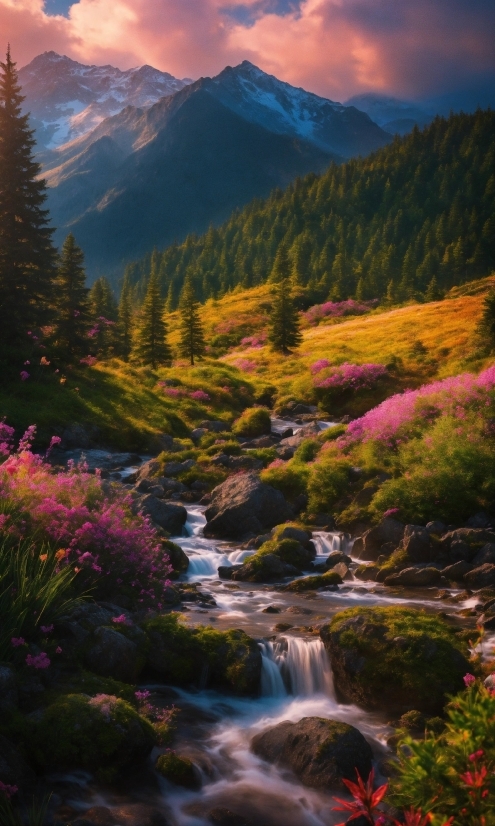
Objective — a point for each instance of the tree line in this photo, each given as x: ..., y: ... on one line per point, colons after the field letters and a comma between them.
x: 410, y: 221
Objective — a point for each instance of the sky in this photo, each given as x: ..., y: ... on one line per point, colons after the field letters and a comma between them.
x: 414, y: 49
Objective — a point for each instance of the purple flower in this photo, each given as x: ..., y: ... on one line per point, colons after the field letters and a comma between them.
x: 121, y: 620
x: 24, y: 375
x: 142, y: 696
x: 199, y: 396
x: 47, y: 629
x: 58, y: 650
x: 38, y: 661
x: 469, y: 679
x: 18, y: 641
x: 7, y: 790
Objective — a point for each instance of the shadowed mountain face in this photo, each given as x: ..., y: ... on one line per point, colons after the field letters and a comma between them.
x: 147, y: 177
x: 67, y: 99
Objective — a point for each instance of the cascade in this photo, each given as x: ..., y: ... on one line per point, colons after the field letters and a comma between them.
x: 301, y: 665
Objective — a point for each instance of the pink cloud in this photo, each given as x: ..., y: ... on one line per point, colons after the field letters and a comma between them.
x: 333, y: 47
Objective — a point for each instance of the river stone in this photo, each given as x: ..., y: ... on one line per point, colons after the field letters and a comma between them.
x: 301, y: 536
x: 9, y: 694
x: 266, y: 568
x: 366, y: 573
x: 416, y: 577
x: 436, y: 528
x: 486, y: 554
x: 337, y: 557
x: 417, y: 543
x: 474, y: 537
x: 388, y: 530
x: 179, y: 560
x: 244, y: 504
x: 113, y: 655
x: 215, y: 426
x: 482, y: 577
x: 171, y: 518
x: 320, y: 752
x: 149, y: 469
x: 219, y: 816
x: 457, y: 571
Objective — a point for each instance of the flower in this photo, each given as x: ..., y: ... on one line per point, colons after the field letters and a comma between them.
x: 365, y: 799
x: 39, y: 661
x: 7, y: 790
x: 44, y: 361
x: 47, y: 629
x: 18, y: 641
x: 24, y: 375
x: 142, y: 696
x: 476, y: 755
x: 475, y: 779
x: 469, y: 679
x: 199, y: 396
x: 122, y: 620
x: 58, y: 650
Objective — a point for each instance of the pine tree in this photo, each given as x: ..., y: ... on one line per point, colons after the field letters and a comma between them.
x: 192, y: 343
x: 486, y: 325
x: 150, y: 346
x: 432, y: 292
x: 126, y: 319
x: 104, y: 314
x: 284, y: 333
x: 72, y: 302
x: 27, y: 255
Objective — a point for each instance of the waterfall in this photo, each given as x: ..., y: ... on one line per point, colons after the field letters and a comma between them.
x: 328, y: 541
x: 295, y: 666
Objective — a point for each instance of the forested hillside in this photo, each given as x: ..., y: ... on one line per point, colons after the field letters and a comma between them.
x: 415, y: 218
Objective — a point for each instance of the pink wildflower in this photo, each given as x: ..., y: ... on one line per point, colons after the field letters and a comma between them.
x: 24, y: 375
x: 469, y: 679
x: 200, y: 396
x: 7, y: 790
x: 142, y: 696
x: 39, y: 661
x: 18, y: 641
x: 121, y: 620
x: 58, y: 650
x: 47, y: 629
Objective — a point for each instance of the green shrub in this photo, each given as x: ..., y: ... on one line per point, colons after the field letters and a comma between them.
x: 311, y: 583
x: 289, y: 477
x: 178, y: 770
x: 332, y: 433
x: 288, y: 550
x: 307, y: 450
x: 328, y: 482
x: 445, y: 774
x: 254, y: 421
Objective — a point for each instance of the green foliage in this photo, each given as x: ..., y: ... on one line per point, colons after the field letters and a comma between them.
x: 283, y: 332
x: 332, y: 433
x: 312, y: 583
x: 445, y: 774
x: 150, y: 346
x: 486, y: 326
x: 27, y: 256
x: 178, y: 770
x: 375, y: 227
x: 328, y: 481
x: 254, y: 421
x: 35, y: 815
x: 104, y: 317
x: 289, y: 477
x: 191, y: 344
x: 307, y: 450
x: 126, y: 320
x: 72, y: 303
x: 33, y: 590
x: 288, y: 550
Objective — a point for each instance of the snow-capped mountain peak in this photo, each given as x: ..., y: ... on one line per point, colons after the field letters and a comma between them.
x: 67, y: 99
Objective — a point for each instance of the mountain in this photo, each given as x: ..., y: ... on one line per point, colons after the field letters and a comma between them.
x: 385, y: 226
x: 67, y: 99
x: 395, y: 116
x: 146, y: 177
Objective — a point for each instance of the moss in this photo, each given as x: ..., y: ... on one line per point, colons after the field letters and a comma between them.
x: 254, y: 421
x: 335, y: 730
x: 102, y: 734
x: 406, y: 657
x: 307, y: 450
x: 312, y: 583
x: 84, y: 682
x: 332, y: 433
x: 178, y: 770
x: 396, y: 562
x: 289, y: 551
x: 222, y: 659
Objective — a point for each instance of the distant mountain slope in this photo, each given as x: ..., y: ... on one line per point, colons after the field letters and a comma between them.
x: 67, y: 99
x: 146, y: 177
x: 395, y: 116
x: 420, y: 209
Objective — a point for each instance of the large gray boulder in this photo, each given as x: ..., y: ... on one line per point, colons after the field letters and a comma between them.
x: 417, y: 543
x: 486, y: 554
x: 388, y: 532
x: 171, y: 518
x: 265, y: 568
x: 111, y: 654
x: 244, y: 504
x: 482, y: 577
x: 415, y: 577
x: 320, y: 752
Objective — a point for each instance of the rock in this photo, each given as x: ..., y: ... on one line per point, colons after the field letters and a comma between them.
x: 198, y: 433
x: 481, y: 520
x: 285, y: 452
x: 388, y: 530
x: 149, y: 469
x: 171, y: 518
x: 332, y: 579
x: 271, y: 609
x: 244, y: 504
x: 394, y: 659
x: 416, y: 577
x: 457, y: 571
x: 85, y: 618
x: 301, y: 536
x: 486, y: 554
x: 179, y: 560
x: 337, y: 557
x: 245, y: 463
x: 459, y: 551
x: 263, y: 441
x: 203, y: 656
x: 436, y: 528
x: 111, y: 654
x: 102, y: 459
x: 417, y: 543
x: 473, y: 537
x: 174, y: 468
x: 78, y: 435
x: 178, y: 770
x: 9, y: 693
x: 265, y: 568
x: 219, y: 816
x: 482, y: 577
x: 215, y: 426
x: 14, y: 771
x: 366, y: 573
x: 227, y: 571
x: 320, y: 752
x: 134, y: 814
x: 102, y: 734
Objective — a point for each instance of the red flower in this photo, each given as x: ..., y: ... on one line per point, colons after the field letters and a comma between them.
x: 365, y: 799
x: 475, y: 779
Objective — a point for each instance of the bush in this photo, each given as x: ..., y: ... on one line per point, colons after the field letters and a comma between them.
x: 307, y: 450
x: 289, y: 477
x: 328, y: 481
x: 254, y: 421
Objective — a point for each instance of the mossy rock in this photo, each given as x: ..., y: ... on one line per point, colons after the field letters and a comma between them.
x: 290, y: 551
x: 312, y: 583
x: 254, y: 421
x: 102, y: 734
x: 178, y: 558
x: 394, y: 659
x: 203, y: 656
x: 178, y: 770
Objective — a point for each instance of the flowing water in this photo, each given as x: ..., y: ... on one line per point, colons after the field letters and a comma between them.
x: 215, y: 730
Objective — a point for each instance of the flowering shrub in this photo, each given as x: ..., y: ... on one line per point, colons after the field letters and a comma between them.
x: 337, y: 309
x: 199, y: 396
x: 345, y: 377
x: 95, y: 532
x: 246, y: 365
x: 255, y: 342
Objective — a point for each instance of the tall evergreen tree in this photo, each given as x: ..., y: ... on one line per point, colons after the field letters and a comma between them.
x: 27, y: 255
x: 284, y: 333
x: 192, y: 343
x: 72, y: 301
x: 126, y: 319
x: 486, y: 325
x: 104, y: 314
x: 150, y: 346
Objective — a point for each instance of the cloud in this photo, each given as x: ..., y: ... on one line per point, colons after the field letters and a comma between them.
x: 333, y: 47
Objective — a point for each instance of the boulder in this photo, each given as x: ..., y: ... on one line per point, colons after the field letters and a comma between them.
x: 215, y: 426
x: 473, y: 537
x: 289, y: 532
x: 263, y: 568
x: 111, y: 654
x: 220, y: 816
x: 457, y: 571
x: 179, y: 560
x: 366, y: 573
x: 174, y: 468
x: 394, y: 659
x: 320, y: 752
x: 459, y: 551
x: 77, y: 435
x: 486, y: 554
x: 171, y: 518
x: 244, y: 504
x: 9, y: 693
x: 481, y: 520
x: 436, y: 528
x: 415, y: 577
x: 227, y: 571
x: 179, y: 770
x: 149, y: 469
x: 417, y: 543
x: 482, y: 577
x: 336, y: 558
x: 388, y: 530
x: 198, y: 433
